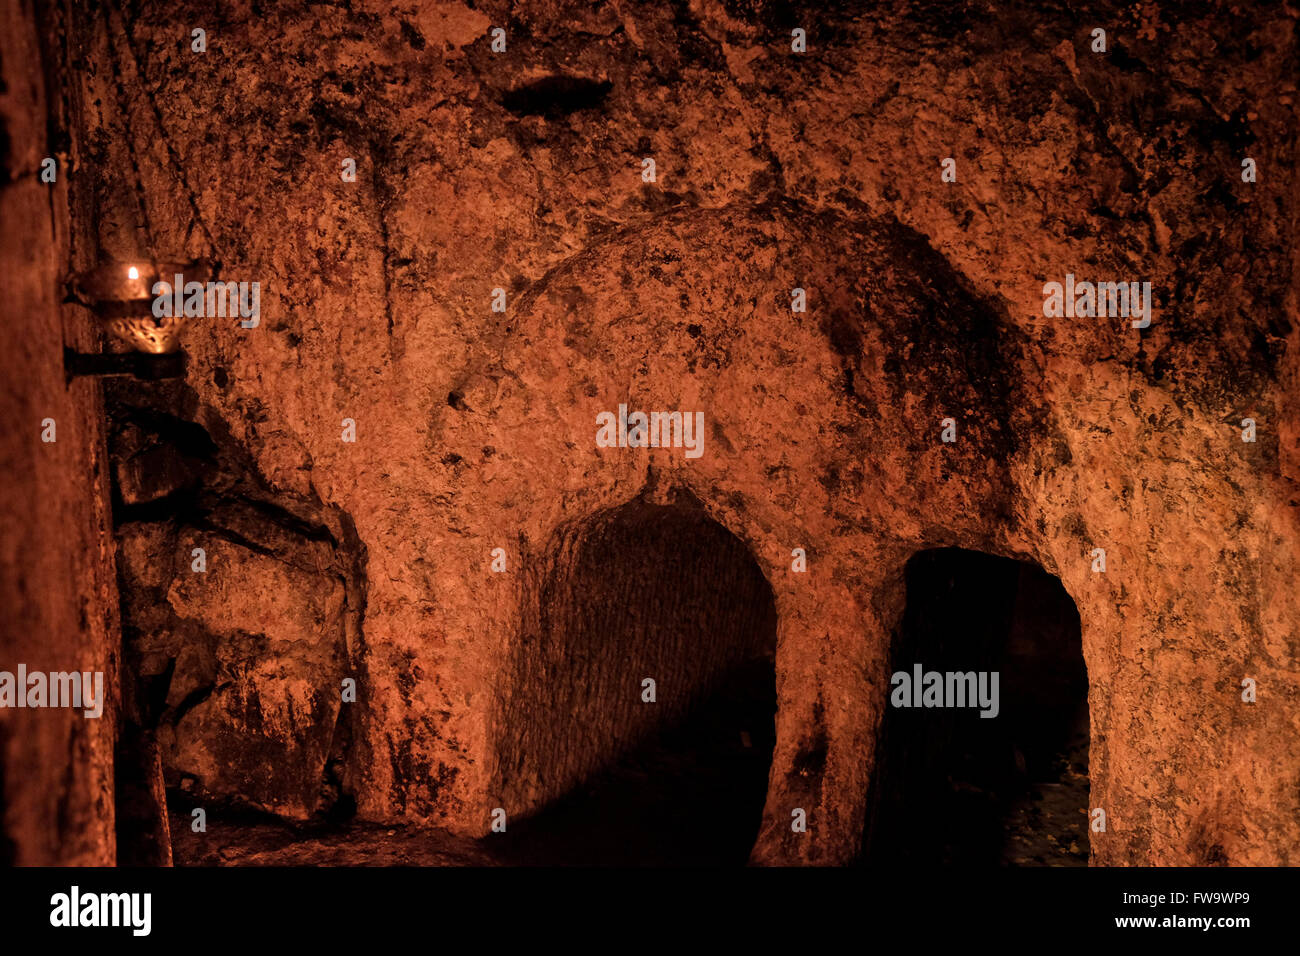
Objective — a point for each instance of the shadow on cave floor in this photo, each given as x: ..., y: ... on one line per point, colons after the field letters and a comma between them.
x: 953, y: 788
x: 692, y: 796
x: 257, y: 840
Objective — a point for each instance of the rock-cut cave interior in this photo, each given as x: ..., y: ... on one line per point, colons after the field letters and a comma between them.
x: 715, y: 433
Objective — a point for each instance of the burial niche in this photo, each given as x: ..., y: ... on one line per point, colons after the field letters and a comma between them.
x: 972, y: 771
x: 608, y: 767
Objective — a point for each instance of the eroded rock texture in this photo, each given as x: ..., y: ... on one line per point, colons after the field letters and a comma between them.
x: 251, y: 654
x: 58, y: 596
x: 522, y: 171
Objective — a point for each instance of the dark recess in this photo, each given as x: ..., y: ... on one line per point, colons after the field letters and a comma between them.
x: 953, y: 788
x: 553, y: 96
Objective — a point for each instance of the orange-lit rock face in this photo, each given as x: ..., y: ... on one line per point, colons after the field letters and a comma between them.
x: 476, y: 429
x: 249, y: 652
x: 57, y: 586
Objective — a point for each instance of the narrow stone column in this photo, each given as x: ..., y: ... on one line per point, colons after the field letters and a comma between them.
x: 832, y: 683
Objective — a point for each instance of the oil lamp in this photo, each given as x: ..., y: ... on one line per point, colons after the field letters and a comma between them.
x: 122, y: 296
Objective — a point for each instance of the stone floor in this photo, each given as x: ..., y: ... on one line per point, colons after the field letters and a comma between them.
x: 233, y: 842
x: 693, y: 796
x: 1047, y: 825
x: 628, y: 817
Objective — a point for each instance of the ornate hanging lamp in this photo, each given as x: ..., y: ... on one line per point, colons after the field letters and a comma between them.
x: 124, y: 297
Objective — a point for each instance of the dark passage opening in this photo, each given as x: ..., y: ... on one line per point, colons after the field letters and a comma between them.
x: 950, y: 786
x: 643, y: 591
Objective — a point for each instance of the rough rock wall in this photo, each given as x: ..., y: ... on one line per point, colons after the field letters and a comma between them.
x: 523, y: 171
x: 247, y: 656
x: 58, y: 594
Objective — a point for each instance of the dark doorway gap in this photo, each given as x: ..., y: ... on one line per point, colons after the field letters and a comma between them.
x: 645, y: 590
x: 952, y: 788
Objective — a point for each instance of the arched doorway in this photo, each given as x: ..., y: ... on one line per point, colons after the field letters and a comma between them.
x: 951, y: 786
x: 613, y: 769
